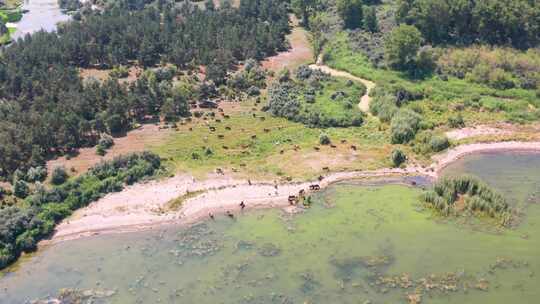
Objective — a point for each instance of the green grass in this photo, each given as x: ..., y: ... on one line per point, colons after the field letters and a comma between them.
x: 440, y: 95
x: 272, y: 152
x: 337, y: 109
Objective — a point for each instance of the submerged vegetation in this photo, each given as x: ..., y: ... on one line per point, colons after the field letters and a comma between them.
x: 457, y: 195
x: 22, y: 226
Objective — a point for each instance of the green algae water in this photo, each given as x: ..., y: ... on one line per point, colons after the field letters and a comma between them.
x: 358, y: 243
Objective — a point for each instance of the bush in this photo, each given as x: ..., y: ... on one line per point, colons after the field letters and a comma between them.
x: 21, y: 189
x: 324, y: 139
x: 439, y: 143
x: 456, y: 121
x: 119, y: 72
x: 59, y: 176
x: 36, y: 174
x: 398, y: 158
x: 404, y: 126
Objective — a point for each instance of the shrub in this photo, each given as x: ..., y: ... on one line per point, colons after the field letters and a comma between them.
x: 36, y: 174
x: 119, y: 72
x: 59, y: 176
x: 324, y: 139
x: 398, y: 158
x: 404, y: 126
x: 21, y: 189
x: 439, y: 143
x: 456, y: 121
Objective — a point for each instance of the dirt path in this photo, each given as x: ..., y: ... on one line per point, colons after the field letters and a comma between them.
x: 365, y: 99
x: 142, y: 206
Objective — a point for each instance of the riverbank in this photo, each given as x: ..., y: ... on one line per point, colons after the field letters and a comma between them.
x: 145, y: 206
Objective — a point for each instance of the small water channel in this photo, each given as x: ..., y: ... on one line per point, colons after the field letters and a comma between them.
x: 42, y: 14
x: 357, y: 244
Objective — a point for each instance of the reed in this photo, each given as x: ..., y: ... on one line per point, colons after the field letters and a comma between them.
x: 456, y: 195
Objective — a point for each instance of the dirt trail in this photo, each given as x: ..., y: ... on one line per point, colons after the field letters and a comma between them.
x: 365, y: 99
x: 142, y: 206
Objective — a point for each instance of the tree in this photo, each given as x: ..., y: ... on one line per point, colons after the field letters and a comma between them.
x: 21, y: 189
x: 401, y: 47
x: 351, y: 13
x: 209, y: 5
x: 302, y: 9
x: 370, y: 19
x: 59, y: 176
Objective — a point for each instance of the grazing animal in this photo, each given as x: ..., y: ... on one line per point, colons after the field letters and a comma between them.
x: 229, y: 214
x: 321, y: 177
x: 211, y: 215
x: 221, y: 136
x: 314, y: 187
x: 253, y: 136
x: 225, y: 147
x: 266, y: 130
x: 212, y: 129
x: 219, y: 171
x: 333, y: 146
x: 218, y: 120
x: 242, y: 205
x: 326, y: 168
x: 317, y: 148
x: 220, y: 110
x: 191, y: 129
x: 343, y: 141
x: 353, y: 147
x: 226, y: 116
x: 293, y: 199
x: 228, y: 128
x: 281, y: 152
x: 296, y: 147
x: 262, y: 118
x: 301, y: 192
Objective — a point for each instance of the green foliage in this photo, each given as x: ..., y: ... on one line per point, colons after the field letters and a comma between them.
x: 316, y: 99
x: 48, y: 106
x: 398, y: 157
x: 468, y: 21
x: 404, y: 126
x: 456, y: 121
x: 22, y: 227
x: 21, y: 189
x: 324, y: 139
x: 119, y: 72
x: 370, y: 19
x: 59, y: 176
x: 455, y: 195
x: 351, y: 13
x: 36, y: 174
x: 500, y: 68
x: 401, y: 47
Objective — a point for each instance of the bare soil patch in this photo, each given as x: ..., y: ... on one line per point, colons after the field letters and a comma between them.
x: 299, y: 53
x: 135, y: 141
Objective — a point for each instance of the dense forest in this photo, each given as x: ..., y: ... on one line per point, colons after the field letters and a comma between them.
x: 46, y: 108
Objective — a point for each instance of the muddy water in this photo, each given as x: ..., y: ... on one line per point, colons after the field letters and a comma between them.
x: 41, y: 15
x: 357, y: 244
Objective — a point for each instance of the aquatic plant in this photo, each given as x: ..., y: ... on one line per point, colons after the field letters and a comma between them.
x: 451, y: 196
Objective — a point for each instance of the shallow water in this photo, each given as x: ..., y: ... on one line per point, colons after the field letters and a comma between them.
x: 357, y: 243
x: 42, y: 14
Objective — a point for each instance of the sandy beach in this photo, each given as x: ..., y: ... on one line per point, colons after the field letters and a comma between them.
x: 143, y: 206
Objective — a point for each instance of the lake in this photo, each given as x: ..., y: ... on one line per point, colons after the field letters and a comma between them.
x: 42, y: 14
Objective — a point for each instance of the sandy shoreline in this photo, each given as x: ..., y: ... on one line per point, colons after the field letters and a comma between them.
x: 141, y: 206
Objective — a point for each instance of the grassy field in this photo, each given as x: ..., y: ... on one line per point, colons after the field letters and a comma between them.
x: 441, y: 97
x: 266, y: 146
